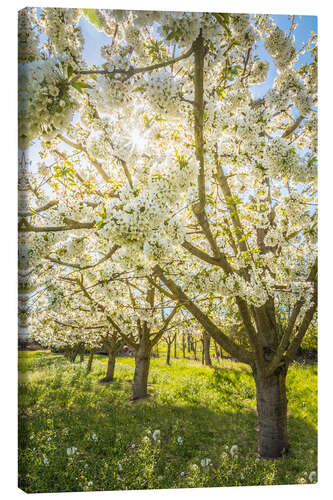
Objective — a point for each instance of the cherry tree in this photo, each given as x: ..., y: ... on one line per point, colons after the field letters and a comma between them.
x: 161, y: 162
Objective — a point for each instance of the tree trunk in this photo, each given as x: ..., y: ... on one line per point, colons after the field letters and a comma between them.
x: 217, y: 352
x: 81, y: 357
x: 184, y: 346
x: 142, y: 360
x: 203, y: 353
x: 194, y: 345
x: 175, y: 347
x: 73, y: 355
x: 111, y: 365
x: 168, y: 354
x: 90, y: 360
x: 206, y: 349
x: 272, y: 414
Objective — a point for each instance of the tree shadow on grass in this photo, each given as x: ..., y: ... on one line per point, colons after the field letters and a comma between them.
x: 121, y: 427
x: 83, y: 407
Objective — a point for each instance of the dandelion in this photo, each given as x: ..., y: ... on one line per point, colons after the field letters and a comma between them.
x: 45, y: 461
x: 205, y: 461
x: 179, y: 440
x: 182, y: 474
x: 224, y: 455
x: 94, y: 437
x: 31, y: 437
x: 312, y: 476
x: 71, y: 451
x: 90, y: 483
x: 120, y: 467
x: 86, y: 466
x: 302, y: 480
x: 133, y: 446
x: 233, y: 450
x: 156, y: 434
x: 194, y: 467
x: 146, y: 438
x: 49, y: 439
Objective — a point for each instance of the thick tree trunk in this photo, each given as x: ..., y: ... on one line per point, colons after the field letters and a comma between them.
x: 168, y: 355
x: 142, y: 361
x: 90, y: 360
x: 272, y: 414
x: 175, y: 347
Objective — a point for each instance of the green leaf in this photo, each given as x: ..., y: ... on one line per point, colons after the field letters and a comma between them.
x: 223, y: 20
x: 92, y: 17
x: 80, y: 86
x: 69, y: 71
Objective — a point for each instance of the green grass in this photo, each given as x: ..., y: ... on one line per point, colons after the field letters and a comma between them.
x: 209, y: 409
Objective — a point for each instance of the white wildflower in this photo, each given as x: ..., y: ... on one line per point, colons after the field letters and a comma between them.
x: 233, y: 450
x: 156, y: 435
x: 312, y: 476
x: 71, y: 450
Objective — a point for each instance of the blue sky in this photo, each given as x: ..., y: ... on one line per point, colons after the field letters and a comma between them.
x: 307, y: 24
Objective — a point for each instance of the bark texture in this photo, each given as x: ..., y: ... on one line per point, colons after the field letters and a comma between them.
x: 90, y: 360
x: 112, y: 354
x: 206, y: 349
x: 168, y: 355
x: 142, y: 360
x: 272, y: 414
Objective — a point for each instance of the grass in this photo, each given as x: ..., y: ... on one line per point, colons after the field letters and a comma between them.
x: 210, y: 410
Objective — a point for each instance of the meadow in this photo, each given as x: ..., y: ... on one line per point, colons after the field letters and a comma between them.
x: 198, y: 428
